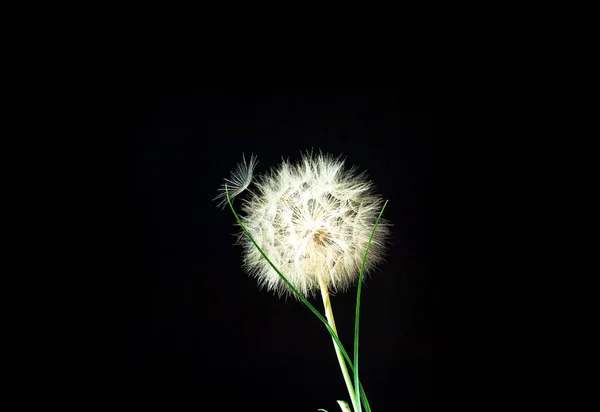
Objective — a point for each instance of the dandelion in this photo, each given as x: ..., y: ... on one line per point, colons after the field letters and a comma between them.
x: 314, y: 220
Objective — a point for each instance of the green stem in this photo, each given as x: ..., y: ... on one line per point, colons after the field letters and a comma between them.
x: 340, y: 357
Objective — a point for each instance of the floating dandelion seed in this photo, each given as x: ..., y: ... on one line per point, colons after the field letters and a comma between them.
x: 240, y: 180
x: 313, y: 220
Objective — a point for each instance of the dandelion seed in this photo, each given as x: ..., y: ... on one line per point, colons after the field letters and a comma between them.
x: 240, y: 179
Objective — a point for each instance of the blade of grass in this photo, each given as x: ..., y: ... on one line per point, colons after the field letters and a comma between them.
x: 357, y: 318
x: 302, y: 298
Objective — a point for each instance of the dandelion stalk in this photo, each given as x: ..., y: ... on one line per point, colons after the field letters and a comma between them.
x: 340, y: 357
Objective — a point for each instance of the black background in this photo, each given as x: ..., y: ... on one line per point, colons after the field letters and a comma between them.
x: 186, y: 325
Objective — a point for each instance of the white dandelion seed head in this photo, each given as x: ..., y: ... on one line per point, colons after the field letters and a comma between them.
x: 240, y: 179
x: 313, y: 220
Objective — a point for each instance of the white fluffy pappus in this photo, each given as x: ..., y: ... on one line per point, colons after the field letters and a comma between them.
x: 241, y: 178
x: 312, y: 219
